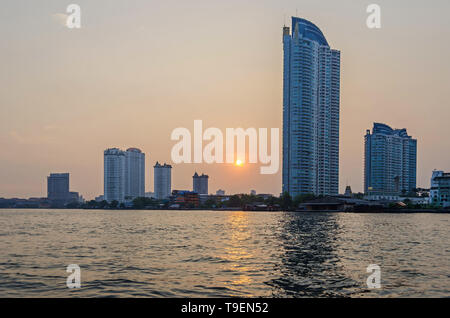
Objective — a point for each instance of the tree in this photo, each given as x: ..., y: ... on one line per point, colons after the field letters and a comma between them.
x: 143, y: 202
x: 235, y: 201
x: 90, y: 204
x: 104, y: 204
x: 286, y: 201
x: 73, y: 205
x: 408, y: 203
x: 359, y: 195
x: 210, y: 203
x: 272, y: 201
x: 301, y: 198
x: 139, y: 203
x: 114, y: 204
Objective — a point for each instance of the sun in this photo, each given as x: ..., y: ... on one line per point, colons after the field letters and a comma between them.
x: 239, y: 163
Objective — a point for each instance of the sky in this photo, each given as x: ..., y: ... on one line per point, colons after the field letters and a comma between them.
x: 136, y: 70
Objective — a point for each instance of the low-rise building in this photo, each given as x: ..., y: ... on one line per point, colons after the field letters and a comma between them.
x: 440, y: 189
x: 420, y: 200
x: 185, y: 199
x: 382, y: 197
x: 342, y: 204
x: 264, y: 196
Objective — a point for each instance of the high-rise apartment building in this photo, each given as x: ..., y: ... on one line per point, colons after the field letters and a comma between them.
x: 311, y: 103
x: 114, y: 175
x: 135, y: 173
x: 162, y: 181
x: 200, y: 183
x: 390, y: 161
x: 124, y: 174
x: 58, y: 188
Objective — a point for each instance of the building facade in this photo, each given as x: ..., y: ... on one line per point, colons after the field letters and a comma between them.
x: 114, y: 175
x: 135, y: 173
x: 58, y: 188
x: 440, y: 189
x: 186, y: 199
x: 200, y: 183
x: 390, y: 161
x: 162, y: 181
x: 311, y: 105
x: 124, y: 174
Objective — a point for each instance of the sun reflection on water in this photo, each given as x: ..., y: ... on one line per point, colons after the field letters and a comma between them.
x: 236, y: 250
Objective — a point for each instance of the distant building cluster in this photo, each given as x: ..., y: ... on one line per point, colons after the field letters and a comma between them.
x: 58, y: 195
x: 124, y: 179
x: 311, y: 103
x: 124, y: 174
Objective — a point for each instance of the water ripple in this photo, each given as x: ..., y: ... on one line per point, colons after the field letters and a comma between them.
x: 222, y: 254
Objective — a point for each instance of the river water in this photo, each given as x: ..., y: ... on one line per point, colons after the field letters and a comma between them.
x: 222, y: 254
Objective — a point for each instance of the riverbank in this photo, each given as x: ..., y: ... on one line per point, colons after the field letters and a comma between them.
x: 382, y: 210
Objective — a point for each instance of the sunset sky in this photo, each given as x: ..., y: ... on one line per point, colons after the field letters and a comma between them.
x: 138, y: 69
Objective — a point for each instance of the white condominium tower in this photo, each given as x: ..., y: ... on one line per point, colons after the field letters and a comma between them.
x: 162, y: 181
x: 114, y: 175
x: 311, y: 90
x: 124, y: 174
x: 135, y: 173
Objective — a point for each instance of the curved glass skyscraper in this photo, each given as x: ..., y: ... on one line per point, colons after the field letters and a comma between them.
x: 311, y: 98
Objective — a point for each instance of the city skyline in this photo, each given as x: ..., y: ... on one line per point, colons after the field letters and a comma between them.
x: 72, y: 84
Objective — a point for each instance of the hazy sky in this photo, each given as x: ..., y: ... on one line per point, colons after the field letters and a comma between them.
x: 138, y: 69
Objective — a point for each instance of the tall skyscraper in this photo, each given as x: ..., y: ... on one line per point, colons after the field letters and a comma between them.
x: 58, y: 188
x: 390, y: 161
x: 162, y: 181
x: 200, y: 183
x: 135, y: 173
x: 311, y: 103
x: 114, y: 175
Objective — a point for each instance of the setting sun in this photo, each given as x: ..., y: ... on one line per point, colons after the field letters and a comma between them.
x: 239, y: 163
